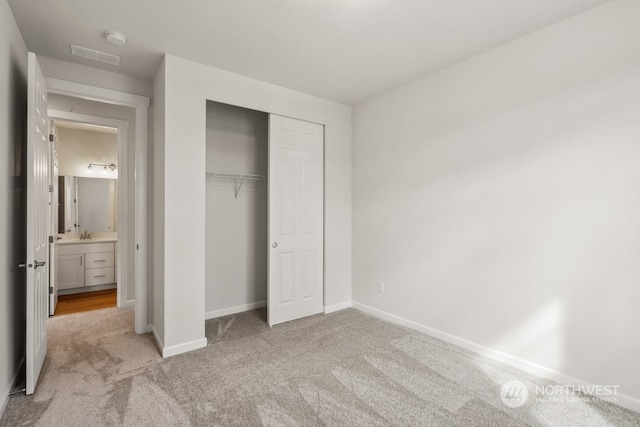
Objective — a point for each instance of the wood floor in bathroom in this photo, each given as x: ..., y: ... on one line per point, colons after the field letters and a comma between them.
x: 86, y: 301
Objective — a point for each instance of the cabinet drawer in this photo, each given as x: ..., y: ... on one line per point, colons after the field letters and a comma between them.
x: 99, y: 276
x: 99, y: 260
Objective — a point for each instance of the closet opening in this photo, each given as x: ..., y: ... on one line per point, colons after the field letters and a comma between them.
x: 264, y: 219
x: 236, y: 227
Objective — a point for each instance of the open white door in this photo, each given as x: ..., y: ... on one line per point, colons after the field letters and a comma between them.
x: 53, y: 225
x: 296, y: 206
x: 37, y: 223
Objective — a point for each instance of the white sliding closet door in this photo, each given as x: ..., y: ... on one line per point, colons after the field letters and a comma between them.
x: 296, y: 172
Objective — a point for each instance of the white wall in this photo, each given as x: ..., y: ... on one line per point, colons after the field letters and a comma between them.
x: 13, y: 122
x: 78, y: 147
x: 188, y: 86
x: 236, y: 227
x: 156, y: 156
x: 498, y: 199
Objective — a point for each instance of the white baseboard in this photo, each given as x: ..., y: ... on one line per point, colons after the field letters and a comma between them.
x: 129, y: 303
x: 233, y: 310
x: 9, y: 387
x: 337, y: 307
x: 184, y: 347
x: 624, y: 400
x: 176, y: 349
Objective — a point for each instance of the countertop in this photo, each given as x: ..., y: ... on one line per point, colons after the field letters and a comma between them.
x: 83, y: 241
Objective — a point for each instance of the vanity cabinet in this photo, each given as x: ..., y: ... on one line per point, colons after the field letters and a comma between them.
x: 86, y: 264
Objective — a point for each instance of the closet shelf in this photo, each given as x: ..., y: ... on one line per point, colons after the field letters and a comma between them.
x: 230, y: 175
x: 236, y: 176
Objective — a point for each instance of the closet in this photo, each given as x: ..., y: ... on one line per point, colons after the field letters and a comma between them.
x: 236, y: 209
x: 264, y: 214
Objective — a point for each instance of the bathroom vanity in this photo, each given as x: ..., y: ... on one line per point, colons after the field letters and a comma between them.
x: 86, y: 265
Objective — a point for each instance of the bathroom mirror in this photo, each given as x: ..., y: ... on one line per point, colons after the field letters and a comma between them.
x: 87, y: 204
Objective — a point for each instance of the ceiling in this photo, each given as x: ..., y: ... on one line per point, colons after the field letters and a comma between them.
x: 343, y: 50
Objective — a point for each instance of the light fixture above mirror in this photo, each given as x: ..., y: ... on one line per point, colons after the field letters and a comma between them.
x: 105, y: 167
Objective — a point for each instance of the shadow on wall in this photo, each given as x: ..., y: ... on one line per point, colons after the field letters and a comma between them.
x: 17, y: 233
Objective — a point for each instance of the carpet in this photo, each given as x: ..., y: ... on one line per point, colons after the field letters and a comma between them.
x: 342, y: 369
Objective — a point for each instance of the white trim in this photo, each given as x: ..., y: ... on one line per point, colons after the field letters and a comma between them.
x: 141, y: 105
x: 128, y: 303
x: 233, y: 310
x: 184, y: 347
x: 337, y: 307
x: 624, y: 400
x: 176, y: 349
x: 93, y: 93
x: 86, y: 118
x: 5, y: 396
x: 122, y: 243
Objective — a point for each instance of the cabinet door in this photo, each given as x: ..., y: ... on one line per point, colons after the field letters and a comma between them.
x: 70, y: 271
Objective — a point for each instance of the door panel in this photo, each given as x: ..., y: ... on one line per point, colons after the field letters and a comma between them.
x: 309, y: 276
x: 287, y: 277
x: 37, y: 224
x: 296, y: 174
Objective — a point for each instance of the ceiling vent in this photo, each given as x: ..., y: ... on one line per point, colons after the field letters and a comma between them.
x: 95, y: 55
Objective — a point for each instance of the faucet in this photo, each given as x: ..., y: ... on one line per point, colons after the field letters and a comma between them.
x: 85, y: 235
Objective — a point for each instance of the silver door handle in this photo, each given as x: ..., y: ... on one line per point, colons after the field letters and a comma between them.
x: 274, y: 245
x: 38, y: 264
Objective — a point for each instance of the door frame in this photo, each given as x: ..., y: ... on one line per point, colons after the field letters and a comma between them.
x: 123, y: 190
x: 53, y: 219
x: 139, y: 229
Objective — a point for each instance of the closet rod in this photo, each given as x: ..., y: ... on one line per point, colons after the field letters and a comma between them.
x: 237, y: 176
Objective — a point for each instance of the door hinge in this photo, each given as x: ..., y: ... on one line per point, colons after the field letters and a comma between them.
x: 51, y: 138
x: 51, y: 188
x: 50, y: 239
x: 50, y: 290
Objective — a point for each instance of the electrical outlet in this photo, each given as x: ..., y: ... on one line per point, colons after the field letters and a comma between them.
x: 380, y: 288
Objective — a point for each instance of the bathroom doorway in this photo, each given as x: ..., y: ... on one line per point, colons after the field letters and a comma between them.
x: 84, y: 269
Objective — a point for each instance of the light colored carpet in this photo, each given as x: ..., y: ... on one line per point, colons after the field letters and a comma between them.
x: 341, y: 369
